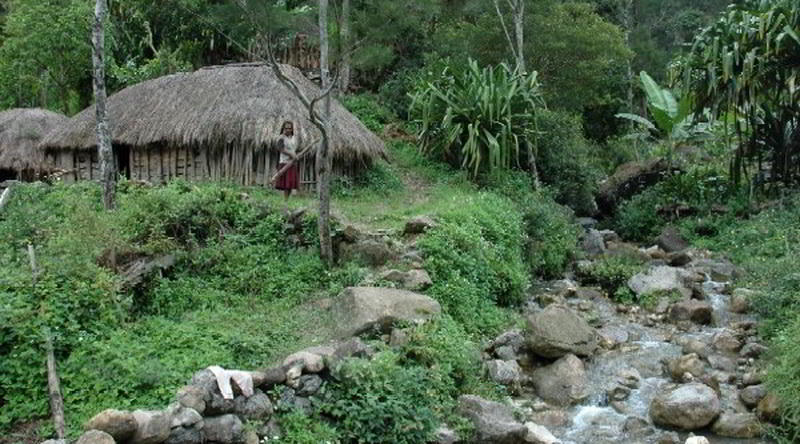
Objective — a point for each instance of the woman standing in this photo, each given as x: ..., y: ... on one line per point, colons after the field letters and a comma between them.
x: 287, y: 145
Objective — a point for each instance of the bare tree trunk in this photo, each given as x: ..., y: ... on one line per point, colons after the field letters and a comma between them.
x: 105, y: 150
x: 346, y: 62
x: 323, y: 154
x: 518, y: 6
x: 5, y: 197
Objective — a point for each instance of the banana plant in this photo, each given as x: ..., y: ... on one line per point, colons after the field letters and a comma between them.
x: 671, y: 117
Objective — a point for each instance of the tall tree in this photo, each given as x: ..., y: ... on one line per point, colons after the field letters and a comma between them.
x: 323, y: 153
x: 105, y: 153
x: 517, y: 44
x: 346, y: 62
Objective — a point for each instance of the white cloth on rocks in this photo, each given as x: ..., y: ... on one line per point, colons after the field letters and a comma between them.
x: 244, y: 380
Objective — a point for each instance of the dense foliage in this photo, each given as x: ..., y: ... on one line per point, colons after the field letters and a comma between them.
x: 745, y: 70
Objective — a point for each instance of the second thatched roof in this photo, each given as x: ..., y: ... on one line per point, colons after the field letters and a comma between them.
x: 242, y: 104
x: 21, y: 130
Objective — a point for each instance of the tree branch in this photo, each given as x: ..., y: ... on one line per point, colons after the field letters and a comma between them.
x: 505, y: 29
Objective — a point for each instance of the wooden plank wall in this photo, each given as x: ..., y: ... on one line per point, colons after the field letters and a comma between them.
x: 161, y: 164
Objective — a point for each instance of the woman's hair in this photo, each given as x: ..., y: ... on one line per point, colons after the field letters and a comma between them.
x: 283, y: 125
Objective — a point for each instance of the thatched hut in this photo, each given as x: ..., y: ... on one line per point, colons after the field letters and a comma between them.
x: 217, y: 123
x: 21, y: 130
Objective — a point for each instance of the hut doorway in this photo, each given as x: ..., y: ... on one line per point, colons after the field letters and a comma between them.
x: 123, y: 159
x: 7, y: 174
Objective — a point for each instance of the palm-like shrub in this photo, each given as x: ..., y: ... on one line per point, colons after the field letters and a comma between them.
x: 479, y: 119
x: 746, y: 68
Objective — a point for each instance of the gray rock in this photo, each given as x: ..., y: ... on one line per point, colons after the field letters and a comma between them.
x: 191, y: 435
x: 269, y: 377
x: 225, y: 429
x: 727, y: 341
x: 494, y: 422
x: 309, y: 385
x: 417, y: 280
x: 215, y: 403
x: 740, y: 300
x: 753, y: 377
x: 723, y: 363
x: 586, y: 222
x: 592, y: 243
x: 629, y: 377
x: 444, y: 435
x: 96, y: 437
x: 504, y: 372
x: 55, y: 441
x: 612, y: 336
x: 419, y: 224
x: 768, y: 408
x: 372, y: 252
x: 192, y: 397
x: 670, y: 240
x: 398, y: 337
x: 257, y: 406
x: 692, y: 310
x: 718, y: 270
x: 753, y: 394
x: 557, y: 331
x: 538, y: 434
x: 289, y: 400
x: 752, y: 350
x: 121, y: 425
x: 185, y: 417
x: 309, y: 362
x: 686, y: 407
x: 352, y: 348
x: 695, y: 346
x: 152, y: 427
x: 678, y: 258
x: 563, y: 382
x: 359, y: 309
x: 661, y: 279
x: 696, y: 440
x: 737, y: 425
x: 690, y: 363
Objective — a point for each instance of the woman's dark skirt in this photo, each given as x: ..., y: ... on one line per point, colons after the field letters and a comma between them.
x: 287, y: 181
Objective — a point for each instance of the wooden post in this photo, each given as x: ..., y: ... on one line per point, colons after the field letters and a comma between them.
x: 53, y: 383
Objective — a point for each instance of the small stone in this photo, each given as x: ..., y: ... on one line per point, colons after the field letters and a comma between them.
x: 619, y: 393
x: 691, y: 364
x: 192, y: 397
x: 192, y: 435
x: 753, y: 377
x: 563, y: 382
x: 691, y: 310
x: 444, y: 435
x: 753, y: 394
x: 539, y: 435
x: 752, y: 350
x: 686, y: 407
x: 494, y: 422
x: 670, y: 240
x: 697, y: 440
x: 417, y: 280
x: 769, y: 408
x: 309, y: 385
x: 312, y: 363
x: 740, y: 300
x: 737, y: 425
x: 629, y: 377
x: 551, y: 418
x: 96, y: 437
x: 726, y: 341
x: 269, y: 377
x: 698, y: 347
x: 722, y: 363
x: 504, y: 372
x: 185, y: 417
x: 398, y: 338
x: 419, y: 225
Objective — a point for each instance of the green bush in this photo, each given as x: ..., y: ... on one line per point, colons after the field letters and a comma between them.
x: 299, y: 428
x: 475, y: 258
x: 783, y: 380
x: 380, y: 401
x: 367, y: 108
x: 379, y: 179
x: 612, y: 273
x: 566, y: 160
x: 552, y: 237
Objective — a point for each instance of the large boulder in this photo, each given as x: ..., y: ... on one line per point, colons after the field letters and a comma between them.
x: 359, y: 309
x: 563, y: 382
x: 225, y: 429
x: 686, y: 407
x: 494, y: 422
x: 670, y: 240
x: 121, y: 425
x: 96, y: 437
x: 737, y: 425
x: 628, y: 179
x: 661, y: 279
x: 557, y: 331
x: 152, y: 427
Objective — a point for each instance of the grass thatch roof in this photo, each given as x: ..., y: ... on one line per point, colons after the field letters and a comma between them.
x: 241, y: 104
x: 21, y: 130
